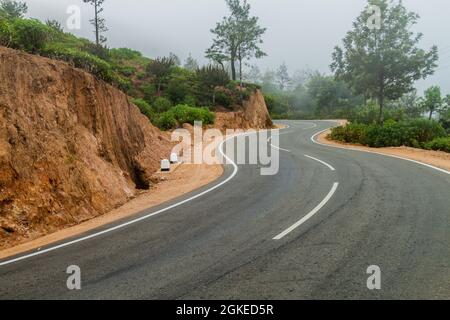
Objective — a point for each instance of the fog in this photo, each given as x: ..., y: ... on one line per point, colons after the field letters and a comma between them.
x: 301, y: 33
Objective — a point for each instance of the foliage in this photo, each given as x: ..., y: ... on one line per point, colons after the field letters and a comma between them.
x: 237, y: 37
x: 10, y: 9
x: 55, y: 25
x: 6, y: 33
x: 383, y: 62
x: 210, y: 77
x: 162, y: 104
x: 145, y: 108
x: 440, y: 144
x: 159, y: 70
x: 98, y: 22
x: 29, y: 35
x: 432, y: 101
x: 180, y: 114
x: 413, y: 133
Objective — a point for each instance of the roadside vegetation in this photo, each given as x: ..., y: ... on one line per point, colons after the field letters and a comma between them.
x: 166, y: 91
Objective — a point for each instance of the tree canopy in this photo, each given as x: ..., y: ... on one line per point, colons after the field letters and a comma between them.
x: 237, y: 37
x: 383, y: 62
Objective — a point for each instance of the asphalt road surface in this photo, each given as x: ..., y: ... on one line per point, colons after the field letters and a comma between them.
x: 309, y: 232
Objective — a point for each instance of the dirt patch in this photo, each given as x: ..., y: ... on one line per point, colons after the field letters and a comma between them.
x: 436, y: 158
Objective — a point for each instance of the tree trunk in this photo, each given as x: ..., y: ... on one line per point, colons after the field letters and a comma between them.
x: 97, y: 38
x: 381, y: 102
x: 233, y: 68
x: 431, y: 115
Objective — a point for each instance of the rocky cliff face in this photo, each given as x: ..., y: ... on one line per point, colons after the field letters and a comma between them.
x: 71, y: 147
x: 253, y: 114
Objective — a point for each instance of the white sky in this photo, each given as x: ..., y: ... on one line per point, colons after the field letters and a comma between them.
x: 301, y: 33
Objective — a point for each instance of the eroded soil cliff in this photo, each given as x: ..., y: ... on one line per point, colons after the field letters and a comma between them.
x: 71, y: 147
x: 252, y: 115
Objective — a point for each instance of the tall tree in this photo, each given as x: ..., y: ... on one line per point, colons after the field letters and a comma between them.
x: 190, y: 63
x: 432, y: 101
x: 383, y: 62
x: 13, y: 9
x: 282, y: 77
x: 237, y: 37
x: 160, y: 69
x: 98, y: 22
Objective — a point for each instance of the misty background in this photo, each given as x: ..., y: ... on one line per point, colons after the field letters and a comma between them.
x: 301, y: 33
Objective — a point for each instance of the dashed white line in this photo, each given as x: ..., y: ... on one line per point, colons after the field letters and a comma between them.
x: 322, y: 162
x: 309, y: 215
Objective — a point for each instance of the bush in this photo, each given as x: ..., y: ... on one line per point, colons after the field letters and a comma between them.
x: 177, y: 90
x: 83, y: 60
x: 186, y: 114
x: 413, y: 133
x: 166, y: 121
x: 351, y: 133
x: 124, y: 54
x: 440, y: 144
x: 162, y: 104
x: 5, y: 33
x: 145, y: 108
x: 30, y: 35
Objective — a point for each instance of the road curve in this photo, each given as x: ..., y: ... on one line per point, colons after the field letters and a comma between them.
x: 223, y: 245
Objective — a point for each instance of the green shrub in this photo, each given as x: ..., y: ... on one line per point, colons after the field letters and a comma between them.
x: 412, y: 133
x: 124, y: 54
x: 177, y: 90
x: 82, y: 60
x: 145, y: 108
x: 162, y: 104
x: 187, y: 114
x: 440, y: 144
x: 166, y: 121
x: 223, y: 99
x: 351, y: 133
x: 5, y: 33
x: 30, y: 35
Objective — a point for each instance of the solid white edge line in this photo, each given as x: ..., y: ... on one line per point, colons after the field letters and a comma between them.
x: 313, y: 139
x: 309, y: 215
x: 322, y: 162
x: 120, y: 226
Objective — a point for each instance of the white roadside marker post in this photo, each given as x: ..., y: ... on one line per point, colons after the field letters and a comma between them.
x: 173, y: 158
x: 165, y: 165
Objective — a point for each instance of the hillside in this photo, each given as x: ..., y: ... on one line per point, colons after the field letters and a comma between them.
x: 71, y: 147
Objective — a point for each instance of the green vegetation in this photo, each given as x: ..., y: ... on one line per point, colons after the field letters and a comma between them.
x: 237, y: 38
x: 417, y: 133
x: 180, y: 114
x: 155, y: 85
x: 383, y: 62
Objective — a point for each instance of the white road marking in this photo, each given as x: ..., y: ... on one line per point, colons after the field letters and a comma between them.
x: 273, y: 146
x: 322, y: 162
x: 313, y: 126
x: 309, y: 215
x: 120, y: 226
x: 313, y: 139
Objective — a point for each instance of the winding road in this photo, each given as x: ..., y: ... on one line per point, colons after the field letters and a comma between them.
x: 309, y: 232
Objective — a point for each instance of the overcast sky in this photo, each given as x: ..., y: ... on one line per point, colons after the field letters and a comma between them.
x: 301, y: 33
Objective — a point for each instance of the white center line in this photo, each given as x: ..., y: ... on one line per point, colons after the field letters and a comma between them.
x: 309, y: 215
x: 322, y: 162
